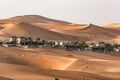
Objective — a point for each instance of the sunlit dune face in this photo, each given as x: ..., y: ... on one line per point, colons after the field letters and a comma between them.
x: 39, y: 26
x: 113, y: 26
x: 60, y: 27
x: 40, y: 61
x: 117, y: 40
x: 28, y: 30
x: 9, y: 25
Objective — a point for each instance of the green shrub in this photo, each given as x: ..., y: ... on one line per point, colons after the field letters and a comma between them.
x: 56, y: 79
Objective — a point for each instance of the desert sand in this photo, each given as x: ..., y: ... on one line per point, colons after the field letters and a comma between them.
x: 114, y: 26
x: 28, y: 30
x: 38, y: 26
x: 46, y: 64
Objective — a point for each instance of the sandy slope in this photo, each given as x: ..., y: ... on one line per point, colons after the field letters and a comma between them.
x: 25, y: 29
x: 88, y: 32
x: 94, y: 33
x: 57, y: 29
x: 115, y: 26
x: 32, y: 19
x: 117, y: 40
x: 18, y: 72
x: 92, y: 29
x: 62, y: 28
x: 5, y: 78
x: 45, y: 64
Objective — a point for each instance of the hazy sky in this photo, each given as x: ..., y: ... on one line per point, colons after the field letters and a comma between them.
x: 78, y: 11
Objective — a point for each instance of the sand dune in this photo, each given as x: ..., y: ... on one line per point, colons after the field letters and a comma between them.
x: 95, y: 30
x: 117, y: 40
x: 18, y: 72
x: 45, y: 61
x: 32, y: 19
x: 95, y: 66
x: 41, y: 61
x: 94, y: 33
x: 25, y: 29
x: 40, y: 26
x: 115, y: 26
x: 5, y: 78
x: 60, y: 27
x: 88, y: 32
x: 45, y: 64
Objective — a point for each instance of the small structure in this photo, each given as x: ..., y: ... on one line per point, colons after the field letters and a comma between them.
x: 99, y: 47
x: 20, y: 39
x: 30, y: 46
x: 8, y: 45
x: 13, y: 39
x: 69, y: 45
x: 59, y: 44
x: 117, y: 49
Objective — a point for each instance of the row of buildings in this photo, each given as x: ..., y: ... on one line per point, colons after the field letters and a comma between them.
x: 28, y: 42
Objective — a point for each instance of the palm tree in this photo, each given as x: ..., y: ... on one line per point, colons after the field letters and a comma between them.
x: 82, y: 45
x: 23, y: 40
x: 56, y: 79
x: 108, y: 47
x: 40, y: 41
x: 30, y: 41
x: 1, y: 43
x: 116, y: 45
x: 101, y: 42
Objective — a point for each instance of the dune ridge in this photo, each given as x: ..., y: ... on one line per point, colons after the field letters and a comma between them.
x: 28, y: 30
x: 114, y: 26
x: 40, y: 26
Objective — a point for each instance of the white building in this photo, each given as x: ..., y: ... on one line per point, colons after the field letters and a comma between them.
x: 20, y: 39
x: 13, y: 39
x: 8, y: 45
x: 117, y: 49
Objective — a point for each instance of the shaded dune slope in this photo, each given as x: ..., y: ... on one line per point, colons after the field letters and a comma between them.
x: 5, y: 78
x: 40, y: 61
x: 25, y: 29
x: 58, y: 29
x: 95, y: 30
x: 15, y: 71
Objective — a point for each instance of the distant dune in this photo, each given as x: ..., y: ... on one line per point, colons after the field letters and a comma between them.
x: 46, y: 28
x: 32, y: 19
x: 47, y: 63
x: 28, y: 30
x: 94, y: 32
x: 62, y: 28
x: 115, y: 26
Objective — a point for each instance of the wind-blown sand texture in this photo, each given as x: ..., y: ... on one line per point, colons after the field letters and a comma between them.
x: 46, y: 64
x: 38, y: 26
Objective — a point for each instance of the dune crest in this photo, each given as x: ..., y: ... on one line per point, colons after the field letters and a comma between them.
x: 39, y: 26
x: 114, y: 26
